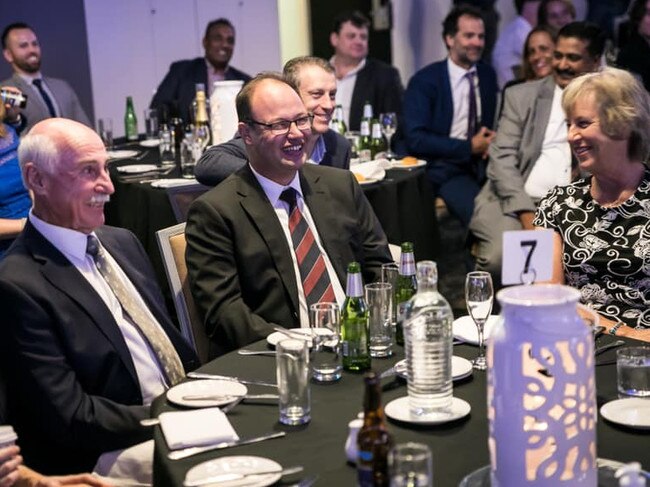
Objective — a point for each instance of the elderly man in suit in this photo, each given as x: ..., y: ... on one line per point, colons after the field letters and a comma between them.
x: 360, y: 78
x: 313, y: 79
x: 178, y: 89
x: 86, y: 342
x: 47, y: 97
x: 530, y: 154
x: 448, y: 112
x: 277, y: 235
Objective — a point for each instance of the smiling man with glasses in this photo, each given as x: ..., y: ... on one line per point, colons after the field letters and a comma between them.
x: 276, y: 236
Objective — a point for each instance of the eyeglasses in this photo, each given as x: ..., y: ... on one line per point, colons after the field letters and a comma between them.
x: 282, y: 127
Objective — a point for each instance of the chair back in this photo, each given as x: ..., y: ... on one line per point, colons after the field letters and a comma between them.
x: 172, y: 245
x: 181, y: 197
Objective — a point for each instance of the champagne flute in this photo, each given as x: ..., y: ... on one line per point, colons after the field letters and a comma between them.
x: 388, y: 122
x: 479, y: 295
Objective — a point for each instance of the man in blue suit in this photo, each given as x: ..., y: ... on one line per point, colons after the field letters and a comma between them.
x: 449, y: 109
x: 178, y: 88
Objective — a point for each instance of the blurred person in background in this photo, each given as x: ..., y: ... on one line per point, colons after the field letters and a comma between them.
x: 556, y: 14
x: 635, y: 55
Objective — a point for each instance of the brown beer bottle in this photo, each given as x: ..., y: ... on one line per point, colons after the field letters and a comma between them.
x: 374, y: 441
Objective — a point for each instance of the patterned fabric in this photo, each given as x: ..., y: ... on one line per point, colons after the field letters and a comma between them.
x: 472, y: 120
x: 159, y: 341
x: 316, y: 282
x: 606, y: 251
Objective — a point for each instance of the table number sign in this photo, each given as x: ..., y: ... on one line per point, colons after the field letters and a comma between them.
x: 527, y: 256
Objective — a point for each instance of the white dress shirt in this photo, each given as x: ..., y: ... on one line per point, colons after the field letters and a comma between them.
x: 460, y: 96
x: 509, y: 49
x: 273, y: 191
x: 345, y: 88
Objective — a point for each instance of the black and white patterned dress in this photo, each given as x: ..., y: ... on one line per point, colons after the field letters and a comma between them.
x: 606, y: 250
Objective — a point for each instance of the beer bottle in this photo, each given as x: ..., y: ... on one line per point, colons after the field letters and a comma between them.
x: 337, y: 124
x: 363, y: 149
x: 406, y: 286
x: 130, y: 121
x: 377, y: 142
x: 373, y: 441
x: 354, y: 323
x: 367, y: 112
x: 202, y: 133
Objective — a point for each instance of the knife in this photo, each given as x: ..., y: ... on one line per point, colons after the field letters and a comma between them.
x: 229, y: 477
x: 194, y: 450
x: 203, y: 375
x: 221, y: 397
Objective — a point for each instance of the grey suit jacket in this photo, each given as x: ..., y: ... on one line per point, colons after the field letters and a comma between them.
x: 516, y: 147
x: 220, y: 161
x: 36, y: 109
x: 239, y: 261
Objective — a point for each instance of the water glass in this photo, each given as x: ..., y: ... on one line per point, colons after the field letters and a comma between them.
x: 379, y: 298
x: 325, y: 322
x: 389, y: 273
x: 633, y: 371
x: 292, y: 365
x: 410, y: 464
x: 388, y: 123
x: 151, y: 123
x: 188, y: 157
x: 166, y: 146
x: 105, y: 131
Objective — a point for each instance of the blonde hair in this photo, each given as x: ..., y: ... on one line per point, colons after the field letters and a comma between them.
x: 622, y: 103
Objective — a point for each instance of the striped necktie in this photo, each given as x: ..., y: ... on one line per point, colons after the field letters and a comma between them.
x: 316, y: 282
x: 162, y: 347
x: 472, y: 112
x: 46, y: 98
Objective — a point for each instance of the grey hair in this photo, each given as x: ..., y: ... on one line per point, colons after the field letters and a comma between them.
x: 39, y: 149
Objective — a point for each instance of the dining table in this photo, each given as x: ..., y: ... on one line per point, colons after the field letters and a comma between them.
x: 458, y: 448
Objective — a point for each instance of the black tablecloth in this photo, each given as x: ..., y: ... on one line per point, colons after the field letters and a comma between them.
x: 458, y: 448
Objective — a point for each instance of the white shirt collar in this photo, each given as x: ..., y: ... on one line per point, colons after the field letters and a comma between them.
x: 273, y: 190
x: 69, y: 242
x: 352, y: 72
x: 319, y: 151
x: 456, y: 73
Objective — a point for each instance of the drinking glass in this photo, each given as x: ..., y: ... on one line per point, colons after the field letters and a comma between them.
x: 105, y: 130
x: 389, y: 273
x: 410, y: 464
x: 292, y: 364
x: 388, y: 122
x: 479, y: 295
x: 379, y: 297
x: 633, y: 371
x: 325, y: 322
x: 151, y: 123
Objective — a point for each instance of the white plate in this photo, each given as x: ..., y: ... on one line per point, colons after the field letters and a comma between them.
x: 150, y: 143
x: 399, y: 409
x: 460, y: 368
x: 398, y: 164
x: 465, y: 329
x: 235, y: 464
x: 122, y: 154
x: 276, y: 336
x: 137, y: 168
x: 228, y: 388
x: 631, y: 411
x: 368, y: 181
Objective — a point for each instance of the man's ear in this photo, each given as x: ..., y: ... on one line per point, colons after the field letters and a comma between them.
x: 33, y: 178
x: 7, y: 55
x: 334, y: 39
x: 245, y: 133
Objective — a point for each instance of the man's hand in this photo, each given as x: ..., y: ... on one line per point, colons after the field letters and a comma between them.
x: 12, y: 113
x: 526, y: 218
x: 30, y: 478
x: 9, y: 462
x: 481, y: 141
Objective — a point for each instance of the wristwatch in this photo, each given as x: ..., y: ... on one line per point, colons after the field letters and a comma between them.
x: 613, y: 329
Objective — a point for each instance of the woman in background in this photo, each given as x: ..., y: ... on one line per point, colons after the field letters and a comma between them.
x: 602, y: 222
x: 555, y: 14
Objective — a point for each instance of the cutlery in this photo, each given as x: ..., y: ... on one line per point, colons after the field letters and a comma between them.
x: 149, y: 422
x: 229, y: 477
x: 255, y: 352
x: 194, y: 450
x: 222, y: 397
x: 229, y: 407
x: 203, y: 375
x: 609, y: 346
x: 388, y: 373
x: 292, y: 334
x: 308, y: 481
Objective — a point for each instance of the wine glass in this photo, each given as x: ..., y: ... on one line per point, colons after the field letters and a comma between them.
x: 388, y: 123
x: 479, y: 295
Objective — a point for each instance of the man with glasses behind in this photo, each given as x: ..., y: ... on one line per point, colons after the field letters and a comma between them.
x: 245, y: 274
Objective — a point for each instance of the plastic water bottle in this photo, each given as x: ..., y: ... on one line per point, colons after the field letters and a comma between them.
x: 428, y: 342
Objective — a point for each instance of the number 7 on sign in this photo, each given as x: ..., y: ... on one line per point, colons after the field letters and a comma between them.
x: 527, y: 256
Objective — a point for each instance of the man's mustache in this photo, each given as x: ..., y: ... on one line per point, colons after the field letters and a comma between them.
x: 565, y: 72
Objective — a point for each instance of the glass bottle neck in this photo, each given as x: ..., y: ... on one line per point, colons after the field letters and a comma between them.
x: 354, y: 286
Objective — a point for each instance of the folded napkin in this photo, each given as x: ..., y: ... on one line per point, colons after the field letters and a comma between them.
x: 172, y: 183
x: 375, y: 170
x: 200, y: 427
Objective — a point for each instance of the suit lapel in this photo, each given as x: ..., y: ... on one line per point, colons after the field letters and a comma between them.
x: 61, y: 274
x: 256, y: 205
x: 446, y: 98
x: 33, y: 96
x: 541, y: 114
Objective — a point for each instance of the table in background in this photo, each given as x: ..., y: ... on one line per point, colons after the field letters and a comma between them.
x: 458, y: 448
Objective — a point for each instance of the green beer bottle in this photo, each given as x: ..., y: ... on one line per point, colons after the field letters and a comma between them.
x: 363, y: 148
x: 337, y: 124
x: 354, y: 323
x: 130, y: 121
x: 377, y: 142
x: 406, y: 286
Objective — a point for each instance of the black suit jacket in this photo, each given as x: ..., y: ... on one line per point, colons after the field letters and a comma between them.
x: 72, y: 388
x: 239, y: 262
x: 178, y: 89
x: 220, y: 161
x: 380, y: 84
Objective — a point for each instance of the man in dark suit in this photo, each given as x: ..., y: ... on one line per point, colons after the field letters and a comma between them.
x: 244, y: 273
x: 86, y: 342
x: 47, y: 97
x: 448, y: 113
x: 177, y: 90
x: 313, y: 79
x: 360, y: 78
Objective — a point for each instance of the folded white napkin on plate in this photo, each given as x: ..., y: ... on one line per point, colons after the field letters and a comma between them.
x: 199, y: 427
x: 172, y: 183
x: 373, y: 169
